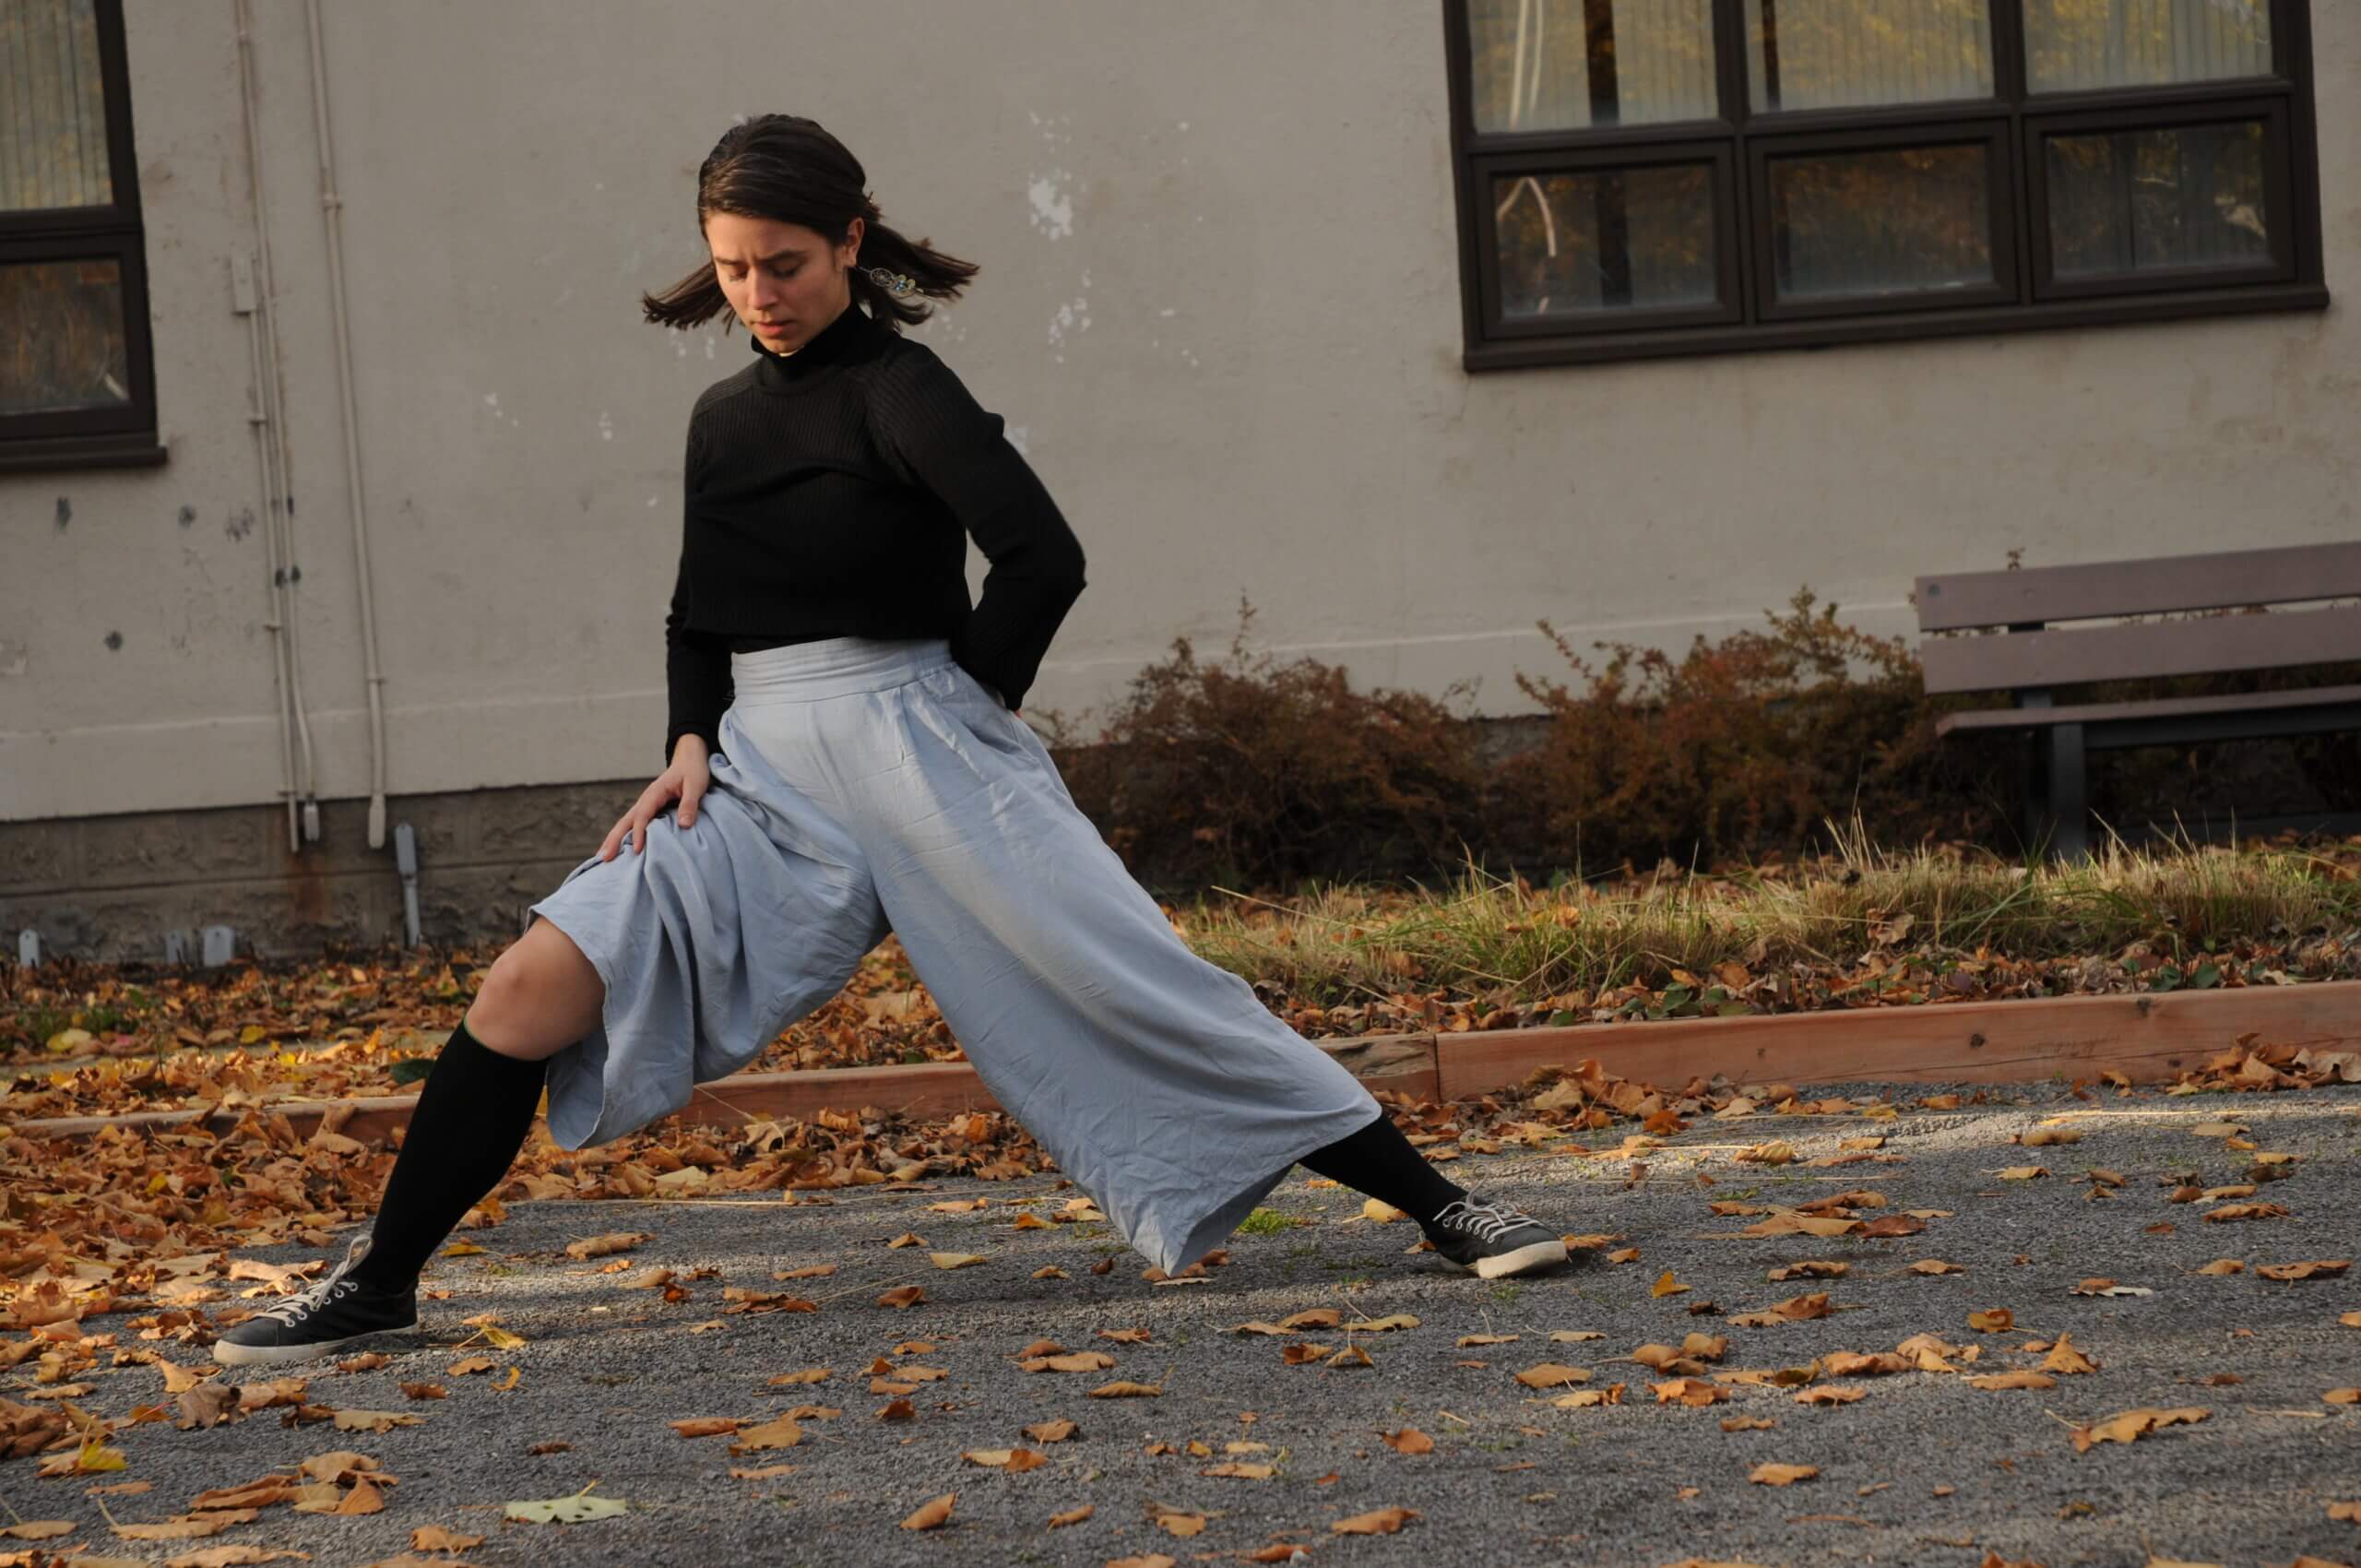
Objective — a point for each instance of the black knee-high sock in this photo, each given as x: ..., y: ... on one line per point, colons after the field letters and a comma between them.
x: 1379, y: 1162
x: 473, y: 1113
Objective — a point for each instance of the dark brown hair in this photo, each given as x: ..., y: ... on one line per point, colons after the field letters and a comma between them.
x: 787, y: 169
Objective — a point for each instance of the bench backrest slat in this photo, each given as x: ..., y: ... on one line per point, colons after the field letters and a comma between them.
x: 2222, y: 581
x: 2017, y: 660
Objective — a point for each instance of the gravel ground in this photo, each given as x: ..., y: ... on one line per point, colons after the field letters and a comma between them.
x: 1511, y: 1480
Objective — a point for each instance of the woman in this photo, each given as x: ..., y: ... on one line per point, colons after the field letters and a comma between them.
x: 845, y: 760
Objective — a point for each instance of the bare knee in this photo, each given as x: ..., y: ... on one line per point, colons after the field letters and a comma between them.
x: 540, y: 997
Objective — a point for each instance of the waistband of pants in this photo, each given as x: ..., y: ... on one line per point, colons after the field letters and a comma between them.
x: 832, y: 667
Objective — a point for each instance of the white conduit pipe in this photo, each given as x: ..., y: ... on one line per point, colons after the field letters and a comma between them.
x: 271, y: 450
x: 332, y: 206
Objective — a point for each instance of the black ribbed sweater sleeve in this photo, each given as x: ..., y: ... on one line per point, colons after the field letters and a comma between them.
x: 696, y: 664
x: 927, y: 424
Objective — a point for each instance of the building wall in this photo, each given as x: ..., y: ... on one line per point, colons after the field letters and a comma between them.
x: 1219, y: 308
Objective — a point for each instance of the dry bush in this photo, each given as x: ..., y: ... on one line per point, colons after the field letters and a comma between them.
x: 1249, y: 772
x: 1744, y: 746
x: 1246, y: 769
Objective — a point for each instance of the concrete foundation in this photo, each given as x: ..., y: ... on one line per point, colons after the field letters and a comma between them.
x: 111, y: 888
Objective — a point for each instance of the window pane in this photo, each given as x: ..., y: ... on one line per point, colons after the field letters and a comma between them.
x: 1559, y: 65
x: 2128, y: 201
x: 1608, y: 240
x: 2082, y: 43
x: 1904, y: 220
x: 53, y: 106
x: 61, y: 336
x: 1835, y: 54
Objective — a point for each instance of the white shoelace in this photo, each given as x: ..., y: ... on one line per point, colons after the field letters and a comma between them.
x: 290, y: 1308
x: 295, y: 1308
x: 1487, y: 1220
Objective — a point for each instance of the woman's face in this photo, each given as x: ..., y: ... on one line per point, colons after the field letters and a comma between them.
x: 785, y: 281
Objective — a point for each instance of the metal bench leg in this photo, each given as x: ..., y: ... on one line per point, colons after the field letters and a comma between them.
x: 2069, y: 792
x: 2039, y: 781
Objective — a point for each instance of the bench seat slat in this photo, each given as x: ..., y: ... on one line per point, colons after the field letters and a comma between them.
x: 2164, y: 707
x: 2226, y: 580
x: 2015, y: 660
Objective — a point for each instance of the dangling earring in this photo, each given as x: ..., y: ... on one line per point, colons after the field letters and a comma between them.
x: 895, y: 283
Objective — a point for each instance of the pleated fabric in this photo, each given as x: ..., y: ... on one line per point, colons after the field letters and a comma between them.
x: 868, y: 786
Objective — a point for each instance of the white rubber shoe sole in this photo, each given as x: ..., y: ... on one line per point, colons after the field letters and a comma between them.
x: 1540, y: 1255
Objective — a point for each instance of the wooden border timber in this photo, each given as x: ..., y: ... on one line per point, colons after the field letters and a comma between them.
x: 2149, y: 1037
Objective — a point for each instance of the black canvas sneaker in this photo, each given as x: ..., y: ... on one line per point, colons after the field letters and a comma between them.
x: 336, y: 1314
x: 1476, y: 1235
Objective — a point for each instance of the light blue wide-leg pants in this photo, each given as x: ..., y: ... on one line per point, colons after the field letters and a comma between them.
x: 864, y: 785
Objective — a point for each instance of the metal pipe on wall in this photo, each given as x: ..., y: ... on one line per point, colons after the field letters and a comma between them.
x: 332, y: 206
x: 255, y: 296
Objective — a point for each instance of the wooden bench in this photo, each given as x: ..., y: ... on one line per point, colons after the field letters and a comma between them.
x: 2024, y: 653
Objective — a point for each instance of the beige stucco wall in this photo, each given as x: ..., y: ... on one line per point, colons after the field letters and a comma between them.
x: 1219, y: 304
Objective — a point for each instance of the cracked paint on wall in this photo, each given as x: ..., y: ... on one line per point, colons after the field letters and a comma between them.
x: 1073, y: 314
x: 1052, y: 208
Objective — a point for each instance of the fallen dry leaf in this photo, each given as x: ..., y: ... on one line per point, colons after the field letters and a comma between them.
x: 188, y: 1526
x: 434, y: 1537
x: 603, y: 1246
x: 1378, y: 1522
x: 1016, y: 1461
x: 2132, y: 1424
x: 931, y: 1514
x: 809, y: 1375
x: 39, y: 1529
x: 375, y: 1421
x: 1769, y: 1474
x: 1550, y: 1374
x: 783, y: 1432
x: 2319, y: 1269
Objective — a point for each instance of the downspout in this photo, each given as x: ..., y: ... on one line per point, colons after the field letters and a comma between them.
x: 332, y: 206
x: 254, y: 297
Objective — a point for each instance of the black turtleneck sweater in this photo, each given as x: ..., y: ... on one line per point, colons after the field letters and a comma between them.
x: 830, y: 493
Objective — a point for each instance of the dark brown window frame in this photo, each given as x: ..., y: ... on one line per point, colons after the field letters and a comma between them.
x: 73, y: 439
x: 2027, y: 297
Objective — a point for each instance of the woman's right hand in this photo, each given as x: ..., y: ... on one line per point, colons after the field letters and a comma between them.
x: 686, y: 781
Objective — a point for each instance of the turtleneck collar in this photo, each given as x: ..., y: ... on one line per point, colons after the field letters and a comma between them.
x: 824, y: 348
